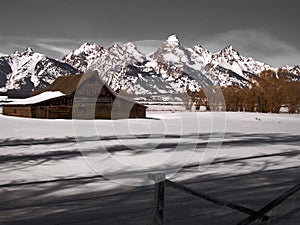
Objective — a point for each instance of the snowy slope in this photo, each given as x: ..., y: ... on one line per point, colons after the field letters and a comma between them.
x: 177, y: 65
x: 122, y: 67
x: 169, y: 70
x: 228, y: 67
x: 45, y: 179
x: 175, y: 68
x: 82, y: 57
x: 21, y: 72
x: 295, y: 70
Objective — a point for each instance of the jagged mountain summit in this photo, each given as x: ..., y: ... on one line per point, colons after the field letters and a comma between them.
x: 124, y: 68
x: 170, y: 69
x: 173, y: 68
x: 22, y: 72
x: 82, y: 57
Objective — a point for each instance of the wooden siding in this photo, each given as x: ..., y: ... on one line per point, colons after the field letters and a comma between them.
x: 78, y: 111
x: 61, y: 112
x: 20, y: 111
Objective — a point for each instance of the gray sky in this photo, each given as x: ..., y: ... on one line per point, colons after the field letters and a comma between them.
x: 268, y: 30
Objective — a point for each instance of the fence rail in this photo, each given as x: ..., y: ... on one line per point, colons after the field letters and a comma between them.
x: 161, y: 183
x: 271, y: 205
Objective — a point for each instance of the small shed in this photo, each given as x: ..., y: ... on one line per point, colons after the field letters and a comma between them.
x: 84, y: 96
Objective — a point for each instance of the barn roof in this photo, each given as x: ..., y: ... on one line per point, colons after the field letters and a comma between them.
x: 64, y: 86
x: 68, y: 84
x: 47, y: 95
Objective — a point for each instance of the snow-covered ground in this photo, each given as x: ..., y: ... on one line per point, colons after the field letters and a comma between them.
x: 95, y: 172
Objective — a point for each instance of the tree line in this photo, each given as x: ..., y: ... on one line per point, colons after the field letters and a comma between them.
x: 266, y: 93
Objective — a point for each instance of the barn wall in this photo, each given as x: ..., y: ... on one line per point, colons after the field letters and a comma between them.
x: 127, y: 110
x: 138, y: 111
x: 84, y: 110
x: 52, y: 112
x: 40, y: 112
x: 104, y: 111
x: 59, y: 112
x: 20, y: 111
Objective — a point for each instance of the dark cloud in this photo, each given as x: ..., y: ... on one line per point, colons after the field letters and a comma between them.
x: 258, y: 44
x: 133, y: 20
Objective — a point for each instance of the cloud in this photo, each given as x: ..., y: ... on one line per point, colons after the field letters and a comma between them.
x: 147, y: 46
x: 250, y: 43
x: 257, y: 44
x: 54, y: 48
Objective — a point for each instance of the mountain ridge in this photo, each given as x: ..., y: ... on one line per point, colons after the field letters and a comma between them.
x: 172, y: 68
x: 22, y: 72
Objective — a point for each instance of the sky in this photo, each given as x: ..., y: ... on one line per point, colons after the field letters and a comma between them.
x: 267, y: 30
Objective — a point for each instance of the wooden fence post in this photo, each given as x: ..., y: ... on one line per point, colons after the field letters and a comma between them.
x: 159, y: 197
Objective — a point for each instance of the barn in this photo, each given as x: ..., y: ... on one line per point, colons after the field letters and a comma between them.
x: 84, y: 96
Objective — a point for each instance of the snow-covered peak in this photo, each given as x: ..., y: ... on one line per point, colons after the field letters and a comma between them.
x: 87, y: 45
x: 29, y: 50
x: 115, y: 46
x: 131, y: 50
x: 16, y: 53
x: 28, y: 58
x: 88, y: 48
x: 228, y: 48
x: 117, y: 58
x: 230, y: 59
x: 125, y: 52
x: 173, y: 40
x: 115, y: 49
x: 83, y: 56
x: 230, y: 51
x: 200, y: 50
x: 130, y: 45
x: 21, y: 72
x: 200, y: 55
x: 292, y: 69
x: 171, y: 53
x: 124, y: 67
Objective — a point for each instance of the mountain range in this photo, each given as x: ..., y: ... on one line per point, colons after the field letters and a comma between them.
x: 170, y: 69
x: 23, y: 72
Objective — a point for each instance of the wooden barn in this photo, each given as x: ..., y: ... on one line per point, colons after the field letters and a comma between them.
x: 83, y: 96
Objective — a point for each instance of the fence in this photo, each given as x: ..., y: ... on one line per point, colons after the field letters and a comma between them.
x: 161, y: 183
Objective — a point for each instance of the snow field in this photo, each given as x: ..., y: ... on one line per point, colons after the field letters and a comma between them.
x: 45, y: 179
